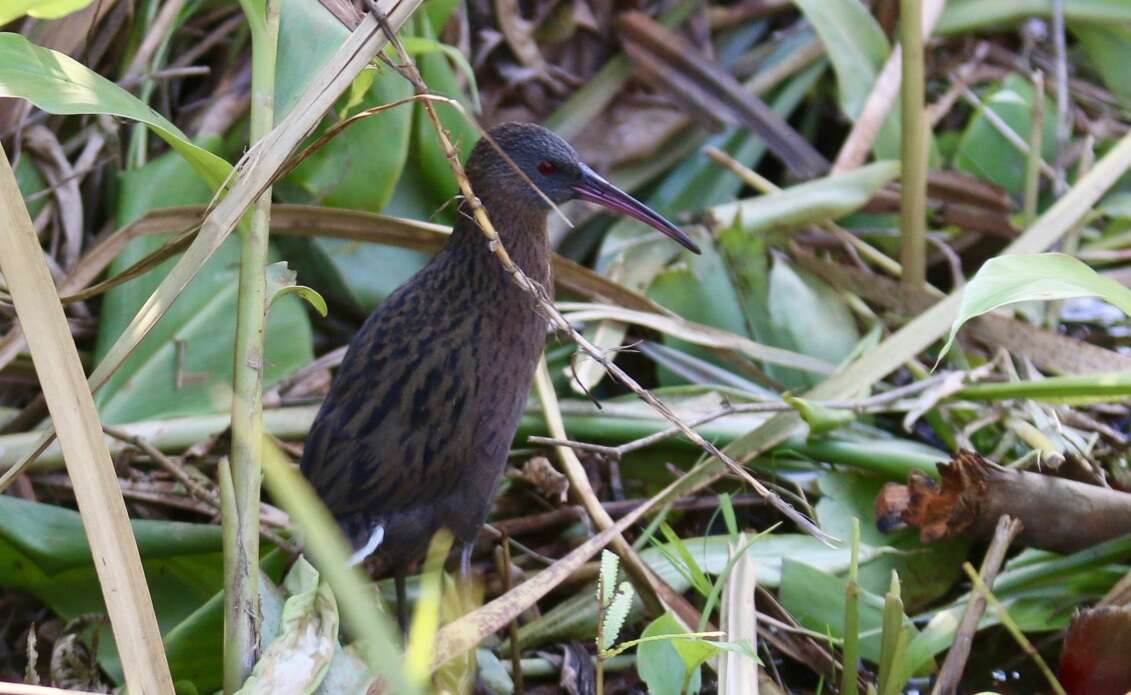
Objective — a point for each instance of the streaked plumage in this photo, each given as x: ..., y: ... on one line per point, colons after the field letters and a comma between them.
x: 414, y: 433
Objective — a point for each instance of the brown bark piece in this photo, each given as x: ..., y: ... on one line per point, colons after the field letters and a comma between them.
x: 1058, y: 515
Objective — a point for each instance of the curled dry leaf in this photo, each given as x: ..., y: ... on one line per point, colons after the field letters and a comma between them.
x: 540, y: 473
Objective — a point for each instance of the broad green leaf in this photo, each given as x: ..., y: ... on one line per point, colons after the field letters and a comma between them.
x: 359, y: 167
x: 39, y: 9
x: 184, y: 365
x: 699, y: 290
x: 1032, y: 277
x: 813, y: 201
x: 44, y: 552
x: 810, y: 315
x: 816, y: 599
x: 928, y: 571
x: 437, y: 72
x: 985, y: 153
x: 855, y: 44
x: 308, y: 36
x: 362, y: 168
x: 59, y: 84
x: 659, y: 664
x: 1108, y: 47
x: 747, y: 261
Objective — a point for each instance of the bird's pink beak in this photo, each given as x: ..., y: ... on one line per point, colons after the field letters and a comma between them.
x: 595, y: 189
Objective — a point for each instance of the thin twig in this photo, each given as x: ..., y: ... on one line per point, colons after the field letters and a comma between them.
x: 1013, y: 629
x: 195, y: 488
x: 951, y: 673
x: 883, y: 402
x: 503, y: 565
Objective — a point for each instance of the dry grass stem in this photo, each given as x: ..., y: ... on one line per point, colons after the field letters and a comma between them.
x: 100, y: 502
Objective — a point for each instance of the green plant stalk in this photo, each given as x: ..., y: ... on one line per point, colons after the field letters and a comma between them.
x: 913, y: 207
x: 1011, y: 626
x: 891, y: 636
x: 177, y: 434
x: 850, y: 652
x: 241, y: 529
x: 1106, y: 386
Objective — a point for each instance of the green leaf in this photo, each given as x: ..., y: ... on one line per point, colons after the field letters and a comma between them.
x: 819, y: 418
x: 928, y: 571
x: 492, y: 674
x: 658, y: 663
x: 281, y: 281
x: 184, y: 365
x: 1108, y: 47
x: 30, y: 182
x: 699, y: 290
x: 616, y: 614
x: 985, y: 153
x: 308, y: 36
x: 608, y: 577
x: 810, y: 316
x: 817, y: 600
x: 40, y: 9
x: 687, y: 560
x: 59, y: 84
x: 365, y: 167
x: 359, y: 168
x: 420, y: 46
x: 855, y: 44
x: 747, y: 262
x: 814, y: 201
x: 961, y: 16
x: 437, y: 72
x: 1029, y: 277
x: 44, y: 552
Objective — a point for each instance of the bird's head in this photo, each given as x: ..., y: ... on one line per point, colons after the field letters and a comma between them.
x: 554, y: 167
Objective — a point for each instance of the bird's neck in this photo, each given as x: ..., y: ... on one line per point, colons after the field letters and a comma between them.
x: 522, y: 232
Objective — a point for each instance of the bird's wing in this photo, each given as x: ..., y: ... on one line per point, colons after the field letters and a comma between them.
x: 391, y: 415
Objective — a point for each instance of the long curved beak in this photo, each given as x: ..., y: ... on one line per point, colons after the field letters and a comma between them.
x: 595, y: 189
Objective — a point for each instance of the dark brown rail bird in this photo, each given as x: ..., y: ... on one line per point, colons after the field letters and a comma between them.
x: 414, y: 434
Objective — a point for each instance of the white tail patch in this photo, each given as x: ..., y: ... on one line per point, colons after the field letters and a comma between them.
x: 371, y: 545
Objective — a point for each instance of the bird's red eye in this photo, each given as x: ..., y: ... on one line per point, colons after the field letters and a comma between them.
x: 546, y: 167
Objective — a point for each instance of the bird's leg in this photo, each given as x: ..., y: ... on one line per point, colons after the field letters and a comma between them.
x: 465, y: 572
x: 465, y: 560
x: 402, y: 600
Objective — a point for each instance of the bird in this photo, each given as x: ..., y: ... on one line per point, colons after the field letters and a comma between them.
x: 414, y: 432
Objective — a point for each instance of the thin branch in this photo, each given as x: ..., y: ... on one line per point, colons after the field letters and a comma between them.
x: 951, y: 673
